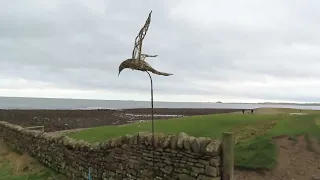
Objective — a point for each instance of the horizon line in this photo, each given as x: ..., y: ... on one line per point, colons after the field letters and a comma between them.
x: 216, y: 102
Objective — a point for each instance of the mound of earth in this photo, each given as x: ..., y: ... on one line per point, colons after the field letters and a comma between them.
x: 295, y: 162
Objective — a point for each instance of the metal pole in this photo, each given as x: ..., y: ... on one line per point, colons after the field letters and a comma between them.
x: 152, y: 124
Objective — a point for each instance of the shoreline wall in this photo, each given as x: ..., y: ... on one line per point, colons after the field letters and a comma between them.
x: 126, y: 157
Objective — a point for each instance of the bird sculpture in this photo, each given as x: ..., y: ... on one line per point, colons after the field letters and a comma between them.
x: 137, y: 62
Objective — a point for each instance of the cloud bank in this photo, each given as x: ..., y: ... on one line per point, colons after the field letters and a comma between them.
x: 217, y: 50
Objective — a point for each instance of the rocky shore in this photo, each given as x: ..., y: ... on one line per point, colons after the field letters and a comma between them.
x: 57, y: 120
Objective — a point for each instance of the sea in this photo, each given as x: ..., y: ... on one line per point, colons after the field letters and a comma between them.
x: 54, y: 103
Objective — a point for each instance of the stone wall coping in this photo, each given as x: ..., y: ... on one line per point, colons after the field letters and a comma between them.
x: 182, y: 141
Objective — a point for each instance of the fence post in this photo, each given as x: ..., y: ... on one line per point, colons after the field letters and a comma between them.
x: 227, y: 156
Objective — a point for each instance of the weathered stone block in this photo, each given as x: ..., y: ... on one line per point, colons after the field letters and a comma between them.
x: 213, y: 148
x: 211, y: 171
x: 215, y: 161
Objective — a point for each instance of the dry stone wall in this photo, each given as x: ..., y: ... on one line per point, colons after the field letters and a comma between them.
x: 127, y: 157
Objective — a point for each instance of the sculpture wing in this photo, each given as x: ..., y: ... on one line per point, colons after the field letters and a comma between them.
x: 136, y: 53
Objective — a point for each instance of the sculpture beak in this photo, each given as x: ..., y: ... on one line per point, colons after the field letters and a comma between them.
x: 119, y: 72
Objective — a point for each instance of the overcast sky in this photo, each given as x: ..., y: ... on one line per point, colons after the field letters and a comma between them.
x: 224, y: 50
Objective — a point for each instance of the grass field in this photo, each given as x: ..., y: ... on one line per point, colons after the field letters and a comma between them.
x: 254, y: 133
x: 15, y: 166
x: 6, y: 173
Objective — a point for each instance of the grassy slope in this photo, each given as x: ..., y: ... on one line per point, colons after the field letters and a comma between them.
x: 14, y: 166
x: 257, y: 151
x: 6, y: 173
x: 260, y: 152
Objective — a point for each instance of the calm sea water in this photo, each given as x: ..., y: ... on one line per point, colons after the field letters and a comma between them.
x: 46, y: 103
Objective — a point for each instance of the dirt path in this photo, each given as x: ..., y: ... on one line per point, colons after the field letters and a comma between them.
x: 295, y: 162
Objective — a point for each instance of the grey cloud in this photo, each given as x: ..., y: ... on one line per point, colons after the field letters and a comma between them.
x: 79, y: 44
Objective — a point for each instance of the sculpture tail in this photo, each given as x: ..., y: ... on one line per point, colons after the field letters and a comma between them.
x: 160, y: 73
x: 147, y: 67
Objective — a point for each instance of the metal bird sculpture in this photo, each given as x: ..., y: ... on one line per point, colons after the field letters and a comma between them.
x: 137, y: 62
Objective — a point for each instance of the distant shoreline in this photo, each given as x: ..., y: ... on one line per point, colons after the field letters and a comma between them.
x: 113, y: 109
x: 217, y: 102
x: 77, y: 104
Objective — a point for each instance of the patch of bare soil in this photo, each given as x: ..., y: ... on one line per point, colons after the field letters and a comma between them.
x: 315, y: 146
x: 295, y: 162
x: 20, y: 164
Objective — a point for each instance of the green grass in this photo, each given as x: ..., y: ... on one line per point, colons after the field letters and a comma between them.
x: 12, y: 167
x: 6, y: 173
x: 205, y: 126
x: 255, y: 151
x: 260, y: 152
